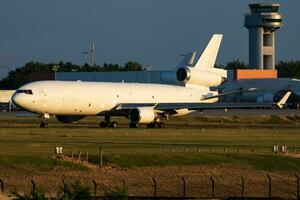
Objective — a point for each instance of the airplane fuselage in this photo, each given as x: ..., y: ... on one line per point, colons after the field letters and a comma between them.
x: 93, y: 98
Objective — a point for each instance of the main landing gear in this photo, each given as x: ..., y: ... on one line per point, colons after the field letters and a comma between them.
x: 150, y: 125
x: 156, y: 125
x: 107, y: 123
x: 43, y: 123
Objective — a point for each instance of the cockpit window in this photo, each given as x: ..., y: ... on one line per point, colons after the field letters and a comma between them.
x: 25, y: 91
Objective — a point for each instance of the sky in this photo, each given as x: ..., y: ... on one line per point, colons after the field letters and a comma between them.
x: 151, y: 32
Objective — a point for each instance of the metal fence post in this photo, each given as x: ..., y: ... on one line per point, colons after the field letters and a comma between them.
x: 124, y: 183
x: 243, y: 186
x: 270, y: 186
x: 154, y: 185
x: 2, y: 185
x: 95, y: 187
x: 65, y: 186
x: 101, y: 156
x: 183, y: 184
x: 33, y: 185
x: 212, y: 187
x: 298, y: 184
x: 86, y: 156
x: 79, y: 156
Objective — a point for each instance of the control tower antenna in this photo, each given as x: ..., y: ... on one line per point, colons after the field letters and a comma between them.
x: 262, y: 23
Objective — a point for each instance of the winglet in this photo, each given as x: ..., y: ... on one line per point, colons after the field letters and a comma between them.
x: 284, y: 99
x: 209, y: 55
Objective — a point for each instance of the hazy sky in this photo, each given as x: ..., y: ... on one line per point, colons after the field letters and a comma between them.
x: 151, y: 32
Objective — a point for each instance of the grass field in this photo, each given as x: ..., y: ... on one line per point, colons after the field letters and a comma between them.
x: 193, y: 147
x: 186, y: 141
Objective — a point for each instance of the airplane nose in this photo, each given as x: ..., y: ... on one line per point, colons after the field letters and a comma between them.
x: 20, y: 100
x: 16, y: 99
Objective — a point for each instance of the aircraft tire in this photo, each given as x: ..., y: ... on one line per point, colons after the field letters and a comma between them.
x: 113, y: 125
x: 103, y: 124
x: 43, y: 125
x: 133, y: 125
x: 151, y: 125
x: 160, y: 125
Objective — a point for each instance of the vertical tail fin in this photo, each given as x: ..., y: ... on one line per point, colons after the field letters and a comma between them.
x: 209, y: 55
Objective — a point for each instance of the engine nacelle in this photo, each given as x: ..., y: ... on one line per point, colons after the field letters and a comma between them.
x: 68, y: 119
x: 206, y: 78
x: 142, y: 115
x: 267, y: 98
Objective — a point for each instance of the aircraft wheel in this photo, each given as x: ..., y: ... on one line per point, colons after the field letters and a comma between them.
x: 103, y: 124
x: 113, y: 125
x: 150, y: 125
x: 43, y: 125
x: 160, y: 125
x: 133, y: 125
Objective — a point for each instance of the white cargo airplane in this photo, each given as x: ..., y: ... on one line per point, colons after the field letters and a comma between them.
x: 70, y: 101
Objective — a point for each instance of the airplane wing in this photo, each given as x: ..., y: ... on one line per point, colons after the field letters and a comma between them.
x: 205, y: 106
x: 229, y: 93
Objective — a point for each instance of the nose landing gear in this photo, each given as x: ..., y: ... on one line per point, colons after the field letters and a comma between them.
x: 43, y: 123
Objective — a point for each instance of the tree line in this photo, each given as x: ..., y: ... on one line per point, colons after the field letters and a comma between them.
x: 20, y: 76
x: 285, y: 69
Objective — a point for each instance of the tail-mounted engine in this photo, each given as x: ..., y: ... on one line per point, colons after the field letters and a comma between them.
x: 190, y: 75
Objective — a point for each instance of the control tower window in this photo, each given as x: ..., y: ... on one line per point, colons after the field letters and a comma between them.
x: 268, y: 39
x: 270, y: 20
x: 265, y: 9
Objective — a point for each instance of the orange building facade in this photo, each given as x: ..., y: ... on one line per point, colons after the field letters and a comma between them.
x: 252, y: 73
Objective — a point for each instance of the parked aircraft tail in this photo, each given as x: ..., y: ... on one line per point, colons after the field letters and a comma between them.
x: 203, y: 73
x: 209, y: 55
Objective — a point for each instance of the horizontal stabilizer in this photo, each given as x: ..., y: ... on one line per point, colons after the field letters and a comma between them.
x: 229, y: 93
x: 284, y: 99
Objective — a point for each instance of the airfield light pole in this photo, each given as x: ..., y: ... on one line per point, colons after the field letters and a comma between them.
x: 148, y: 69
x: 55, y: 68
x: 91, y: 52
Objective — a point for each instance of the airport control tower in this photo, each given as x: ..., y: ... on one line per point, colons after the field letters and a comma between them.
x: 262, y: 23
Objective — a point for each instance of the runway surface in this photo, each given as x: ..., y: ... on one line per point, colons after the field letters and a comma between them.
x: 210, y: 113
x: 249, y: 112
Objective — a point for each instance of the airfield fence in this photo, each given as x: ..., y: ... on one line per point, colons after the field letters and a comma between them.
x: 210, y: 188
x: 223, y: 149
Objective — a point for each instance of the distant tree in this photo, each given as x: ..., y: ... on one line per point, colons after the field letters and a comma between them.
x: 132, y: 66
x: 21, y: 75
x: 288, y: 69
x: 236, y: 64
